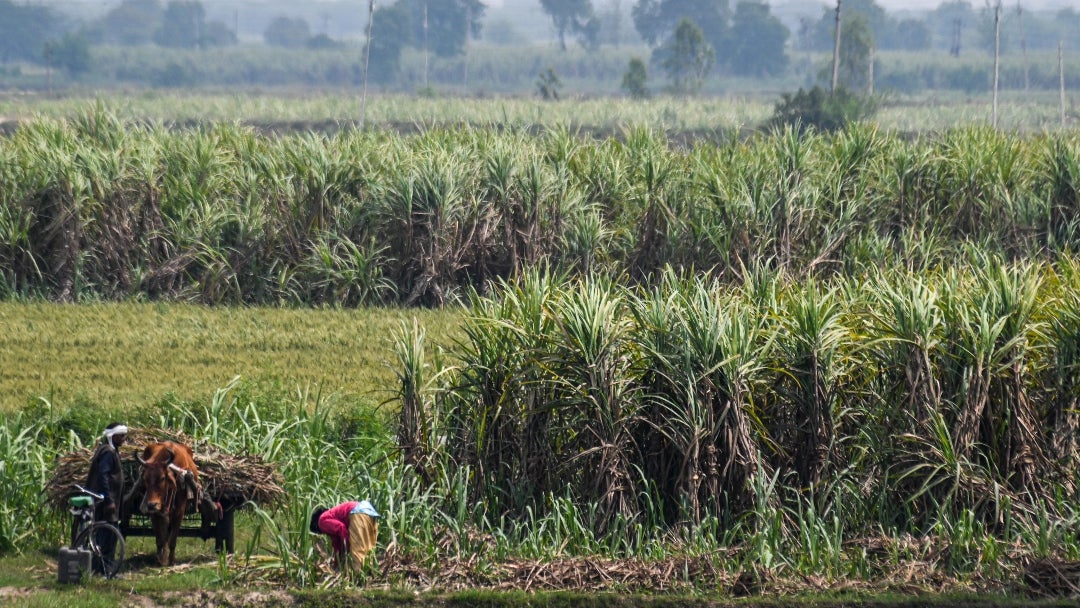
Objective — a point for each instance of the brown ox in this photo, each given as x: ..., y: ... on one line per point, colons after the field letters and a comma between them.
x: 170, y: 480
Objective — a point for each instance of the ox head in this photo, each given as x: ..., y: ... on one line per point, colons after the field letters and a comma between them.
x: 160, y: 480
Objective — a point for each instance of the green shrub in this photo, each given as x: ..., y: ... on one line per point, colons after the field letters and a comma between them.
x: 548, y: 85
x: 635, y: 80
x: 822, y: 110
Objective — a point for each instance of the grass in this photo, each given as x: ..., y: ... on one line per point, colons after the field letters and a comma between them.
x: 332, y: 109
x: 103, y: 208
x: 126, y: 356
x: 524, y: 436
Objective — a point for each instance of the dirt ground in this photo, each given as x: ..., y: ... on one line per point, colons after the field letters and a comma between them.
x: 15, y: 596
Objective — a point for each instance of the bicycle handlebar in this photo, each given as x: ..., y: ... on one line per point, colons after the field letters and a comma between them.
x: 91, y: 493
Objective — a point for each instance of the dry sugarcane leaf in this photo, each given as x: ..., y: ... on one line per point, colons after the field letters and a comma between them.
x: 232, y: 477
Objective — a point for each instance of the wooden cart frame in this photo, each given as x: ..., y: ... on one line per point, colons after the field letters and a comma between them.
x: 222, y: 531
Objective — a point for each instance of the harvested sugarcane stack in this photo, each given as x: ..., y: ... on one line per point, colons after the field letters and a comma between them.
x: 224, y: 476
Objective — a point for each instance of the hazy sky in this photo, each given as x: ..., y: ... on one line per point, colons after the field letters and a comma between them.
x: 887, y: 4
x: 929, y: 4
x: 891, y: 5
x: 813, y: 6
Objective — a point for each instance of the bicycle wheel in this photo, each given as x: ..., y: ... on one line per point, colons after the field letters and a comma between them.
x: 106, y: 545
x: 78, y: 524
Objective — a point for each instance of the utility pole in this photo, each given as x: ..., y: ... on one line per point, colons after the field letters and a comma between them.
x: 997, y: 59
x: 1061, y: 80
x: 425, y: 45
x: 468, y: 29
x: 836, y: 49
x: 617, y: 21
x: 1023, y: 45
x: 367, y: 61
x: 957, y: 28
x: 870, y: 74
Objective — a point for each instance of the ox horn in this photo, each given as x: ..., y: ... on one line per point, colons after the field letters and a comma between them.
x: 172, y: 456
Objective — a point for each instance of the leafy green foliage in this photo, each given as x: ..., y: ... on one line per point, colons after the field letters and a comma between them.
x: 224, y: 215
x: 70, y: 53
x: 584, y: 420
x: 821, y: 110
x: 758, y: 41
x: 443, y: 26
x: 70, y: 364
x: 635, y: 79
x: 181, y: 24
x: 856, y: 46
x: 901, y: 403
x: 687, y: 58
x: 889, y: 31
x: 132, y: 22
x: 572, y: 16
x: 548, y: 85
x: 393, y: 35
x: 23, y: 27
x: 287, y: 32
x: 657, y: 20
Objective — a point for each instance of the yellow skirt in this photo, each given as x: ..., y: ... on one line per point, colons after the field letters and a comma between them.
x: 363, y: 530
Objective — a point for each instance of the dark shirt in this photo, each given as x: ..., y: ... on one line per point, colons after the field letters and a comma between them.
x: 106, y: 477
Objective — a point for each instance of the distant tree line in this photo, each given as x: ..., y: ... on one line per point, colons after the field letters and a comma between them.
x: 688, y: 40
x: 957, y: 26
x: 175, y: 24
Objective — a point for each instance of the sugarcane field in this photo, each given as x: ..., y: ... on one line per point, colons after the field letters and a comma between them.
x: 521, y: 303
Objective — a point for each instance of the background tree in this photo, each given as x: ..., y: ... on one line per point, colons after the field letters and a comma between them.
x: 217, y: 34
x: 1066, y: 22
x: 569, y: 16
x: 886, y: 30
x: 392, y: 36
x: 985, y: 29
x: 634, y: 81
x: 655, y: 20
x: 287, y: 32
x: 856, y: 42
x: 132, y: 22
x: 448, y: 24
x: 70, y: 53
x: 820, y: 109
x: 22, y: 29
x: 182, y: 24
x: 616, y: 27
x: 548, y: 85
x: 911, y: 35
x: 758, y: 40
x: 687, y: 58
x: 322, y: 42
x: 950, y: 24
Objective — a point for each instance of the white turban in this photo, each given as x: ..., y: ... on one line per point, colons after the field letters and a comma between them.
x: 116, y: 430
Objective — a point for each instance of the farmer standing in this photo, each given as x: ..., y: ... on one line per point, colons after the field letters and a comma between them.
x: 106, y: 477
x: 352, y: 528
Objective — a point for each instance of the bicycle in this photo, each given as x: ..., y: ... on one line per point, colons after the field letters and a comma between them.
x: 96, y: 536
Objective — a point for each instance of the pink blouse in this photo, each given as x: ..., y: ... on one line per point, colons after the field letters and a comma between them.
x: 334, y: 522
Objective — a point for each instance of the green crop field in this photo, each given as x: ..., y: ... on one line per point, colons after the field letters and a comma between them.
x: 336, y: 109
x: 124, y: 356
x: 646, y: 362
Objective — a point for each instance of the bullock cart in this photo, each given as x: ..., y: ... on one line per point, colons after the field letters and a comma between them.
x: 230, y: 480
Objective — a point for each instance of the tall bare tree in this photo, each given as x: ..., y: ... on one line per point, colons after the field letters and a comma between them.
x: 836, y: 49
x: 997, y: 59
x: 1061, y: 80
x: 1023, y: 45
x: 367, y: 61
